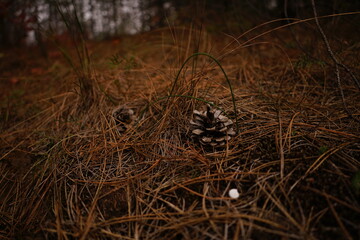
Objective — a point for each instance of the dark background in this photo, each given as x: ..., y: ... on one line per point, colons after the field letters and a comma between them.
x: 24, y: 22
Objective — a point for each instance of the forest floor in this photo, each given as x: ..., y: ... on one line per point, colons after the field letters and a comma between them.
x: 66, y: 171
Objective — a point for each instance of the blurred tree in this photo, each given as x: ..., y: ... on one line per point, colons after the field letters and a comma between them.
x: 107, y: 18
x: 13, y: 21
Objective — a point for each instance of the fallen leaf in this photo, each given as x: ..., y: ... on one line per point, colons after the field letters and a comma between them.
x: 14, y: 80
x: 37, y: 71
x: 55, y: 54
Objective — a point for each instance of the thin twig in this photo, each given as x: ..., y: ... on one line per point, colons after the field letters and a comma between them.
x: 336, y: 61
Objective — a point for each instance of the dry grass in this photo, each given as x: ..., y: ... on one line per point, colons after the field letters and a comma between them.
x: 68, y: 174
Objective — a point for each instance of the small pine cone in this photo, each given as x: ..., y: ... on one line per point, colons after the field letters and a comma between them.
x: 123, y: 118
x: 211, y: 128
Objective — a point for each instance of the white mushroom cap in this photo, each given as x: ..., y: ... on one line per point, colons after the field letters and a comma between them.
x: 234, y: 193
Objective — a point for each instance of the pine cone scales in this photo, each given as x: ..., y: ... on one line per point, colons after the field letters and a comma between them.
x: 211, y: 128
x: 123, y: 117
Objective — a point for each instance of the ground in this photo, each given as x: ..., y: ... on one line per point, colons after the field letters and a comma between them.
x: 68, y: 173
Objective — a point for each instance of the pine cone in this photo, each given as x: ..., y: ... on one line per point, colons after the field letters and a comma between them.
x: 211, y: 128
x: 123, y: 118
